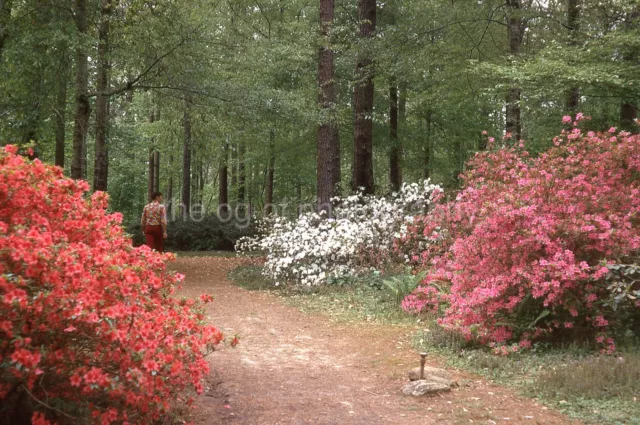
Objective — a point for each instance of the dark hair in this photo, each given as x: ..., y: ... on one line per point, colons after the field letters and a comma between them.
x: 154, y: 195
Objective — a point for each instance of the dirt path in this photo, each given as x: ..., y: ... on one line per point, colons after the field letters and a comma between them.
x: 295, y: 368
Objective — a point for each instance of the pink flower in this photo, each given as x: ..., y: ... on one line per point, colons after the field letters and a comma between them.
x: 600, y: 321
x: 566, y: 119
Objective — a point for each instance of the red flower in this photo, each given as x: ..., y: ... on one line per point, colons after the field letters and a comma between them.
x: 65, y: 265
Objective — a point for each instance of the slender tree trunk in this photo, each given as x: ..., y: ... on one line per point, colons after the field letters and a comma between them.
x: 234, y: 166
x: 363, y: 103
x: 60, y: 118
x: 152, y: 163
x: 186, y: 160
x: 223, y: 188
x: 573, y: 16
x: 270, y: 173
x: 156, y: 171
x: 251, y: 189
x: 194, y: 174
x: 628, y: 108
x: 459, y: 158
x: 101, y: 166
x: 78, y: 164
x: 170, y: 188
x: 394, y: 154
x: 201, y: 181
x: 402, y: 124
x: 299, y: 195
x: 5, y: 18
x: 242, y: 173
x: 427, y: 145
x: 83, y: 161
x: 152, y: 177
x: 515, y: 33
x: 328, y: 144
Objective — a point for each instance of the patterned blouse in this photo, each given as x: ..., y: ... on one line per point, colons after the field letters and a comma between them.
x: 154, y: 215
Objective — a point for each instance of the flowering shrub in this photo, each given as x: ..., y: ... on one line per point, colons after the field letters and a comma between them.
x: 88, y: 330
x: 318, y: 247
x: 523, y: 248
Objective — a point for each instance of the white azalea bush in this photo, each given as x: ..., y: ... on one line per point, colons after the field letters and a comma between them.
x: 317, y: 247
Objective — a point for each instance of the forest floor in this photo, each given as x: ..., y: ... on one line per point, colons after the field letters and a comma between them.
x: 292, y: 367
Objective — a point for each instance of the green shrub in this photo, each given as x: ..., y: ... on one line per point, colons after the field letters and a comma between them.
x: 402, y: 285
x: 208, y: 234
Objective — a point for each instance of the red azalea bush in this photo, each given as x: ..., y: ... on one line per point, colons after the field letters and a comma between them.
x: 521, y: 253
x: 88, y: 330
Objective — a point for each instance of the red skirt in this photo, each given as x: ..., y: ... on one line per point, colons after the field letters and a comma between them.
x: 155, y: 237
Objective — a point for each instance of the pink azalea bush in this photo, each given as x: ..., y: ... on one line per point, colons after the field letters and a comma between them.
x: 521, y: 253
x: 88, y: 330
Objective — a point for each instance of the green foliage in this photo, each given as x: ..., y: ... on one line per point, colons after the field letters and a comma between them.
x: 352, y: 298
x: 208, y: 234
x: 247, y: 71
x: 401, y: 286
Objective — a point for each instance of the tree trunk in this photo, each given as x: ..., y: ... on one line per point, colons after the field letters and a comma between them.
x: 299, y: 196
x: 515, y: 33
x: 152, y: 178
x: 186, y: 160
x: 60, y: 118
x: 242, y: 174
x: 170, y: 188
x: 5, y: 18
x: 628, y: 115
x: 234, y: 165
x: 573, y: 15
x: 101, y: 166
x: 628, y: 107
x: 78, y: 164
x: 427, y: 145
x: 328, y: 174
x: 201, y: 180
x: 394, y: 154
x: 223, y: 188
x: 363, y: 104
x: 156, y: 171
x: 459, y: 160
x: 84, y: 148
x: 270, y: 173
x: 402, y: 123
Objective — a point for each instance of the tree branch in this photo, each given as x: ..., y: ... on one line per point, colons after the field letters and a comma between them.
x: 131, y: 85
x: 46, y: 405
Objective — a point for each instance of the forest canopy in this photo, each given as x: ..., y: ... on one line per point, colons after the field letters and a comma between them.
x: 257, y: 102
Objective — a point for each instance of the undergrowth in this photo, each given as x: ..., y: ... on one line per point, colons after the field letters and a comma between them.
x: 573, y: 378
x: 365, y: 298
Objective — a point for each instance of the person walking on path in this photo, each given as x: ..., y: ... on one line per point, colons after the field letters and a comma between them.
x: 154, y: 222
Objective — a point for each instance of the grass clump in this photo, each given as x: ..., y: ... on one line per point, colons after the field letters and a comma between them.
x: 573, y: 378
x: 599, y: 377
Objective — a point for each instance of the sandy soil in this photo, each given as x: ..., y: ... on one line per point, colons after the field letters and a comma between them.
x: 295, y: 368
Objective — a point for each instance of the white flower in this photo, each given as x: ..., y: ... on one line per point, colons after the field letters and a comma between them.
x: 314, y: 248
